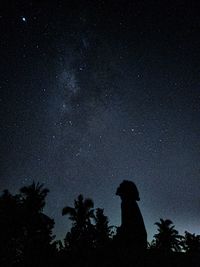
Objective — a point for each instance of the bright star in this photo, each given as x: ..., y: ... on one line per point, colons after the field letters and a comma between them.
x: 23, y: 19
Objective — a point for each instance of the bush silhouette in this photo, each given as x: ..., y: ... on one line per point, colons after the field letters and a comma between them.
x: 26, y: 231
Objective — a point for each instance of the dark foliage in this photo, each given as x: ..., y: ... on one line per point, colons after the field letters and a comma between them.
x: 11, y: 229
x: 191, y: 243
x: 167, y: 239
x: 102, y: 230
x: 26, y: 234
x: 80, y: 236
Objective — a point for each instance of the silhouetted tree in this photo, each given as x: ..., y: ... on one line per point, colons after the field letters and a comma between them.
x: 10, y: 229
x: 102, y: 229
x: 25, y: 232
x: 37, y: 236
x: 81, y: 213
x: 80, y: 238
x: 167, y: 239
x: 33, y: 197
x: 191, y: 243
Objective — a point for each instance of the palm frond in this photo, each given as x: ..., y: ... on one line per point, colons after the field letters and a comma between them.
x: 69, y: 211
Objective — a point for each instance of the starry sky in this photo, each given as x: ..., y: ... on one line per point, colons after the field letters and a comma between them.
x: 94, y: 92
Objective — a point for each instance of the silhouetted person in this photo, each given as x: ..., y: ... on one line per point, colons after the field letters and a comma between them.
x: 132, y: 233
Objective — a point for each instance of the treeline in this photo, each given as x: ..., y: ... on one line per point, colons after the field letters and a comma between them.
x: 26, y: 236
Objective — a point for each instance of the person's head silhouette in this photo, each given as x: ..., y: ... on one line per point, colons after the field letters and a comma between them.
x: 129, y: 190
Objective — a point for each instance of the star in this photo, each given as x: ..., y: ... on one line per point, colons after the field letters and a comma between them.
x: 24, y: 19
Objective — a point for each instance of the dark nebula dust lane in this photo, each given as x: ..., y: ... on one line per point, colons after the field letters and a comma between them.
x: 92, y: 93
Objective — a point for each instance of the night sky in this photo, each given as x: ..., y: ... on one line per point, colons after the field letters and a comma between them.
x: 94, y: 92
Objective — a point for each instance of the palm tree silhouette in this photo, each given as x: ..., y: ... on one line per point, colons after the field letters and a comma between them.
x: 26, y: 232
x: 167, y: 239
x: 82, y: 212
x: 34, y: 196
x: 81, y: 235
x: 37, y: 235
